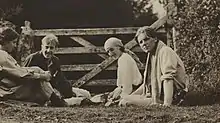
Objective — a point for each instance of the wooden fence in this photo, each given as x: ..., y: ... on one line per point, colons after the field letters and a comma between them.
x: 100, y: 61
x: 79, y: 45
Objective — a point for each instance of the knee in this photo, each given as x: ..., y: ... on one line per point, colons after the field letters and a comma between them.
x: 36, y: 69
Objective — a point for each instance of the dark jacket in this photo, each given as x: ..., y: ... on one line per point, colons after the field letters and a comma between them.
x: 59, y: 82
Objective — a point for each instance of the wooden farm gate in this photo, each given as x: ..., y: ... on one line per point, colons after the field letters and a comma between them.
x: 85, y: 61
x: 88, y: 48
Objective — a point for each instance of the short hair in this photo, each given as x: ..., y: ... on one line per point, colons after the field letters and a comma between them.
x: 50, y: 38
x: 148, y: 31
x: 7, y: 34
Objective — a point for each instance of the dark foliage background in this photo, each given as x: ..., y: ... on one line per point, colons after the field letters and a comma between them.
x: 77, y: 13
x: 198, y: 42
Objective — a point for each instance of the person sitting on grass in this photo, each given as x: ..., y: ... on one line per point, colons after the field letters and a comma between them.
x: 46, y: 60
x: 128, y: 74
x: 30, y: 84
x: 164, y: 71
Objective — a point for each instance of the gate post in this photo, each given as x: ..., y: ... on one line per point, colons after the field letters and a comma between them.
x: 25, y: 43
x: 169, y: 24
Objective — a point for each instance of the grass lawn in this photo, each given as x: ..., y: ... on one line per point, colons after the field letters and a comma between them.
x: 114, y: 114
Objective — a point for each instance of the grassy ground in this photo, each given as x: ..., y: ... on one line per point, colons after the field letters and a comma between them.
x: 92, y: 114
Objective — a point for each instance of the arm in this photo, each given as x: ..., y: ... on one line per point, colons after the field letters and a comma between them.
x: 168, y: 61
x: 168, y: 92
x: 10, y: 67
x: 39, y: 76
x: 125, y: 74
x: 28, y: 61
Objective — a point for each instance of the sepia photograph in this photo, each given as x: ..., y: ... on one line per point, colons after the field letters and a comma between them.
x: 109, y: 61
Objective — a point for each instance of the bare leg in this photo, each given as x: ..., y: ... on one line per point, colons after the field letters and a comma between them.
x: 135, y: 100
x: 74, y: 101
x: 81, y: 93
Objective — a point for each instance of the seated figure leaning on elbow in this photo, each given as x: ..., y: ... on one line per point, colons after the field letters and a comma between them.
x: 164, y: 71
x: 128, y: 74
x: 46, y: 60
x: 29, y: 84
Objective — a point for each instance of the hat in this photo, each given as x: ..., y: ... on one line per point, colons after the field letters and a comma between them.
x: 7, y: 34
x: 112, y: 42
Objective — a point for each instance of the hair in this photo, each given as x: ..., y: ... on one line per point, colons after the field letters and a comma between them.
x: 7, y: 34
x: 50, y: 38
x: 148, y: 31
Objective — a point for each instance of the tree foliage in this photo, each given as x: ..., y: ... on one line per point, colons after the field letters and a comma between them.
x: 143, y: 11
x: 9, y: 9
x: 198, y: 42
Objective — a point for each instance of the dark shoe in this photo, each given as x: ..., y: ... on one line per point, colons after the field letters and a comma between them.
x: 56, y: 101
x: 87, y: 101
x: 179, y: 97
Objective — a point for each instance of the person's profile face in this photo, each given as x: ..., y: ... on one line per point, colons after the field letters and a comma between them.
x: 146, y: 43
x: 114, y: 52
x: 48, y: 49
x: 10, y: 45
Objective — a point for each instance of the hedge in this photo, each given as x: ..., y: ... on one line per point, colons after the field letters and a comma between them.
x: 198, y: 42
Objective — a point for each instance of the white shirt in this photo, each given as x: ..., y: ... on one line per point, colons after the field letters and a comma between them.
x: 128, y: 74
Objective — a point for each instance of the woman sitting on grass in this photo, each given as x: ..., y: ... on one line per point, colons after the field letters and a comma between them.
x: 128, y: 74
x: 164, y: 71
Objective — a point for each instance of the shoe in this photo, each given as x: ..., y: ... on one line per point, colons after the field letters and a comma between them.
x: 179, y: 98
x: 56, y: 101
x: 87, y: 101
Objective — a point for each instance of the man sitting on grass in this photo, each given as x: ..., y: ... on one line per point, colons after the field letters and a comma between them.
x: 23, y: 83
x: 46, y: 60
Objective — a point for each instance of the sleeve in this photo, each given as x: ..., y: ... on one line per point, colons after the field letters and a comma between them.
x: 125, y: 74
x: 28, y: 61
x: 168, y: 63
x: 11, y: 68
x: 63, y: 85
x: 55, y: 68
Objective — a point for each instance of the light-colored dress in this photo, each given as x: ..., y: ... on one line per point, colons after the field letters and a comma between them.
x: 19, y: 83
x: 128, y: 74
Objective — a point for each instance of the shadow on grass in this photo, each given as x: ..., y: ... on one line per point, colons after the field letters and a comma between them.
x: 198, y: 99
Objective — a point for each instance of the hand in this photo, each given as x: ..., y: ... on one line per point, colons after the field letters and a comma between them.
x: 110, y: 95
x: 166, y: 105
x: 141, y: 30
x: 116, y: 93
x: 46, y: 76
